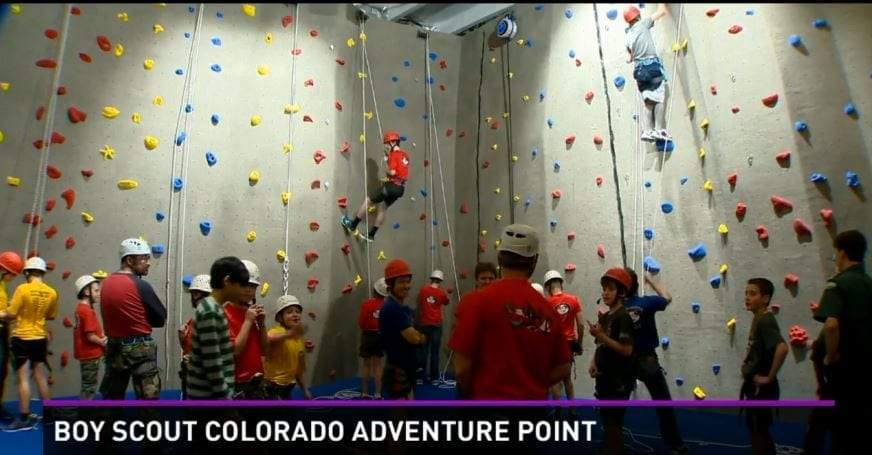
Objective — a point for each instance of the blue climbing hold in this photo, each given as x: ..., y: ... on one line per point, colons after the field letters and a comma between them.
x: 220, y: 14
x: 424, y: 192
x: 651, y: 265
x: 435, y: 222
x: 186, y: 280
x: 635, y: 116
x: 542, y: 94
x: 664, y: 342
x: 572, y: 53
x: 800, y: 126
x: 528, y: 43
x: 817, y: 177
x: 158, y: 249
x: 852, y: 179
x: 550, y: 122
x: 216, y: 40
x: 180, y: 72
x: 187, y: 35
x: 189, y: 108
x: 649, y: 233
x: 749, y: 12
x: 430, y: 80
x: 553, y: 223
x: 695, y: 307
x: 612, y: 14
x: 534, y: 152
x: 178, y: 183
x: 211, y: 159
x: 215, y: 119
x: 647, y: 184
x: 568, y: 13
x: 433, y: 56
x: 216, y: 68
x: 665, y: 146
x: 794, y: 40
x: 394, y: 78
x: 425, y: 116
x: 683, y: 180
x: 715, y: 281
x: 159, y: 216
x: 716, y: 368
x: 679, y: 381
x: 407, y: 63
x: 556, y: 165
x: 180, y: 139
x: 620, y: 81
x: 403, y: 139
x: 396, y: 225
x: 697, y: 252
x: 205, y: 227
x: 190, y: 9
x: 527, y: 202
x: 850, y: 109
x: 400, y: 103
x: 820, y: 23
x: 539, y: 7
x: 666, y: 207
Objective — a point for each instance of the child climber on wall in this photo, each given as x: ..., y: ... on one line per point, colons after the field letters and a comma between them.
x: 648, y: 71
x: 392, y: 189
x: 285, y: 360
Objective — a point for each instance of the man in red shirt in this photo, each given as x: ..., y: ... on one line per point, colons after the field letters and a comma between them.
x: 431, y: 299
x: 568, y: 309
x: 130, y: 309
x: 245, y: 320
x: 199, y: 289
x: 371, y: 349
x: 88, y: 338
x: 508, y: 344
x: 392, y: 189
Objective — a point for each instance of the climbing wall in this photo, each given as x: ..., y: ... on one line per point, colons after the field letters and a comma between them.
x: 742, y: 88
x: 211, y: 123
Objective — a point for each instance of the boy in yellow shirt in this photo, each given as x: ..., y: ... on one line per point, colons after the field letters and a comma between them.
x: 285, y: 361
x: 10, y: 267
x: 32, y: 304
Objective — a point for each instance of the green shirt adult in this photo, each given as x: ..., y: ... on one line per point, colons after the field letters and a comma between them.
x: 848, y: 298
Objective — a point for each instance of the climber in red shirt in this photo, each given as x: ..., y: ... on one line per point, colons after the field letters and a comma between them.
x: 371, y: 349
x: 431, y: 299
x: 392, y: 189
x: 568, y: 309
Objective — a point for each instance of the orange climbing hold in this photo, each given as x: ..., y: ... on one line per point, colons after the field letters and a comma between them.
x: 104, y: 43
x: 51, y: 231
x: 296, y: 51
x: 446, y: 243
x: 69, y: 195
x: 38, y: 144
x: 84, y: 57
x: 53, y: 172
x: 443, y: 64
x: 791, y: 279
x: 827, y: 216
x: 801, y: 227
x: 46, y: 63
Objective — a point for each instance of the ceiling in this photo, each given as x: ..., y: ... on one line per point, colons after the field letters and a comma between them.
x: 456, y: 18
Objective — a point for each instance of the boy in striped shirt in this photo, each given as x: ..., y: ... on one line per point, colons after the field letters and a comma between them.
x: 211, y: 373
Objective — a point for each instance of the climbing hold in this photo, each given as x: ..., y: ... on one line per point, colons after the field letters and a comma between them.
x: 157, y: 28
x: 281, y: 256
x: 40, y: 112
x: 315, y: 185
x: 620, y: 81
x: 701, y: 152
x: 601, y: 251
x: 249, y: 10
x: 780, y: 204
x: 818, y: 178
x: 651, y: 265
x: 697, y: 252
x: 268, y: 38
x: 791, y: 279
x: 649, y: 233
x: 151, y: 142
x: 599, y: 180
x: 716, y: 368
x: 158, y: 249
x: 556, y: 194
x: 695, y: 307
x: 794, y: 40
x: 712, y: 12
x: 691, y: 105
x: 49, y: 204
x: 708, y: 186
x: 849, y: 109
x: 53, y: 172
x: 251, y: 236
x: 287, y: 20
x: 827, y: 216
x: 46, y: 63
x: 84, y: 57
x: 665, y: 146
x: 308, y: 119
x: 497, y: 190
x: 255, y: 120
x: 723, y: 269
x: 264, y: 289
x: 211, y: 159
x: 783, y: 157
x: 157, y: 101
x: 680, y: 45
x: 216, y: 68
x: 253, y: 177
x: 647, y: 184
x: 51, y: 231
x: 286, y: 196
x: 762, y: 232
x: 801, y: 227
x: 205, y: 227
x: 178, y: 184
x: 569, y: 267
x: 666, y: 207
x: 770, y: 100
x: 820, y: 23
x: 263, y: 70
x: 216, y: 41
x: 159, y: 216
x: 110, y: 112
x: 119, y: 50
x: 723, y: 229
x: 57, y: 138
x: 381, y: 255
x: 127, y: 184
x: 104, y: 43
x: 107, y: 152
x: 597, y: 139
x: 499, y: 217
x: 852, y: 179
x: 683, y: 180
x: 556, y: 165
x: 180, y: 139
x: 735, y: 29
x: 800, y: 126
x: 69, y: 196
x: 319, y: 156
x: 87, y: 217
x: 568, y: 13
x: 699, y: 393
x: 76, y: 115
x: 731, y: 179
x: 612, y: 14
x: 571, y: 53
x: 704, y: 123
x: 734, y: 109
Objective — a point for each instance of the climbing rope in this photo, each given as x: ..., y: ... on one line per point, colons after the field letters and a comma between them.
x: 364, y: 66
x: 506, y: 64
x: 291, y: 128
x: 41, y: 173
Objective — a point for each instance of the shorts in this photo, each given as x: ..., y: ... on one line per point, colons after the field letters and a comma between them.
x: 257, y: 388
x: 370, y: 345
x: 387, y: 193
x: 23, y: 350
x: 397, y: 382
x: 277, y: 391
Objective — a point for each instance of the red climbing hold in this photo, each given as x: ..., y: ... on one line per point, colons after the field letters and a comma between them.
x: 33, y: 253
x: 426, y: 163
x: 712, y: 12
x: 446, y: 243
x: 87, y: 172
x: 345, y: 147
x: 486, y: 164
x: 314, y: 226
x: 312, y: 315
x: 319, y: 156
x: 735, y: 29
x: 46, y: 63
x: 762, y: 232
x: 70, y: 242
x: 340, y: 61
x: 347, y: 288
x: 771, y: 100
x: 287, y: 20
x: 49, y: 204
x: 588, y: 96
x: 311, y: 256
x: 309, y: 344
x: 577, y: 63
x: 76, y: 116
x: 735, y: 109
x: 443, y: 64
x: 422, y: 216
x: 51, y: 265
x: 741, y: 209
x: 601, y: 251
x: 482, y: 246
x: 827, y: 216
x: 449, y: 132
x: 462, y: 134
x: 597, y: 139
x: 308, y: 119
x: 781, y: 204
x: 38, y: 144
x: 813, y: 306
x: 32, y: 220
x: 67, y: 322
x: 346, y: 248
x: 296, y: 51
x: 66, y: 274
x: 570, y: 236
x: 783, y: 156
x: 57, y: 138
x: 316, y: 184
x: 342, y: 202
x: 338, y: 106
x: 85, y: 57
x: 463, y: 274
x: 53, y: 172
x: 442, y: 87
x: 40, y: 111
x: 714, y: 89
x: 569, y: 139
x: 75, y: 11
x: 569, y: 268
x: 801, y: 227
x: 313, y: 33
x: 311, y: 284
x: 495, y: 125
x: 464, y: 208
x: 791, y: 279
x: 62, y: 90
x: 104, y: 43
x: 51, y: 231
x: 731, y: 179
x: 599, y: 180
x: 65, y: 358
x: 798, y: 336
x: 309, y: 83
x: 69, y: 195
x: 556, y: 194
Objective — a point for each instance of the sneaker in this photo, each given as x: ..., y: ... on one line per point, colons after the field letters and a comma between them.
x: 435, y: 382
x: 662, y: 135
x: 6, y: 415
x: 345, y: 222
x: 21, y: 425
x: 649, y: 136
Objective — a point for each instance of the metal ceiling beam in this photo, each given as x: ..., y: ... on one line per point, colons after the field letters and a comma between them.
x: 460, y: 16
x: 401, y: 10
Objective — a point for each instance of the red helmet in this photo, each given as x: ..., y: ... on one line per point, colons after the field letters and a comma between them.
x: 11, y: 262
x: 631, y: 14
x: 391, y: 136
x: 397, y: 268
x: 619, y: 275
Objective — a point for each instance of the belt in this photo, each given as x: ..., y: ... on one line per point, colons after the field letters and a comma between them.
x: 133, y: 339
x: 648, y: 60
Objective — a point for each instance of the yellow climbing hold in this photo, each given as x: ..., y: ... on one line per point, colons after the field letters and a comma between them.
x: 281, y: 255
x: 723, y: 229
x: 100, y: 274
x: 136, y: 117
x: 110, y: 112
x: 521, y: 42
x: 88, y: 218
x: 13, y: 181
x: 495, y: 147
x: 361, y: 75
x: 514, y: 158
x: 497, y: 190
x: 704, y: 123
x: 350, y: 42
x: 724, y: 269
x: 2, y: 137
x: 251, y: 236
x: 358, y: 279
x: 264, y: 289
x: 157, y: 28
x: 263, y: 70
x: 123, y: 16
x: 516, y: 198
x: 488, y: 119
x: 691, y: 104
x: 287, y: 148
x: 483, y: 232
x: 679, y: 46
x: 362, y: 36
x: 249, y: 10
x: 381, y: 255
x: 708, y: 185
x: 525, y: 98
x: 701, y: 152
x: 107, y: 152
x: 254, y: 176
x: 497, y: 243
x: 255, y: 120
x: 119, y: 50
x: 151, y: 142
x: 510, y: 75
x: 148, y: 64
x: 493, y: 60
x: 127, y: 184
x: 362, y: 138
x: 498, y: 217
x: 268, y: 38
x: 367, y: 115
x: 285, y: 197
x: 505, y: 115
x: 157, y: 101
x: 292, y: 108
x: 699, y: 393
x: 731, y: 324
x: 5, y: 86
x: 16, y: 9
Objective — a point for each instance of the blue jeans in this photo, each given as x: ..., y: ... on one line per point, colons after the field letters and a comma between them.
x: 430, y: 347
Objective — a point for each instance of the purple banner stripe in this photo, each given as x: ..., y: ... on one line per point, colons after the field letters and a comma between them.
x: 439, y: 404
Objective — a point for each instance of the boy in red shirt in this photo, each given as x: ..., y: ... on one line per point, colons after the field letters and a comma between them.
x: 88, y: 338
x: 199, y: 289
x: 431, y: 299
x: 371, y: 349
x: 508, y: 344
x: 245, y: 320
x: 392, y: 189
x: 568, y: 309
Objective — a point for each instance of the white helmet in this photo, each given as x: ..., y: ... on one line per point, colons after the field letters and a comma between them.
x: 552, y: 275
x: 253, y: 272
x: 381, y: 287
x: 35, y: 263
x: 84, y: 281
x: 284, y: 302
x: 538, y: 287
x: 437, y: 275
x: 134, y: 247
x: 201, y: 283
